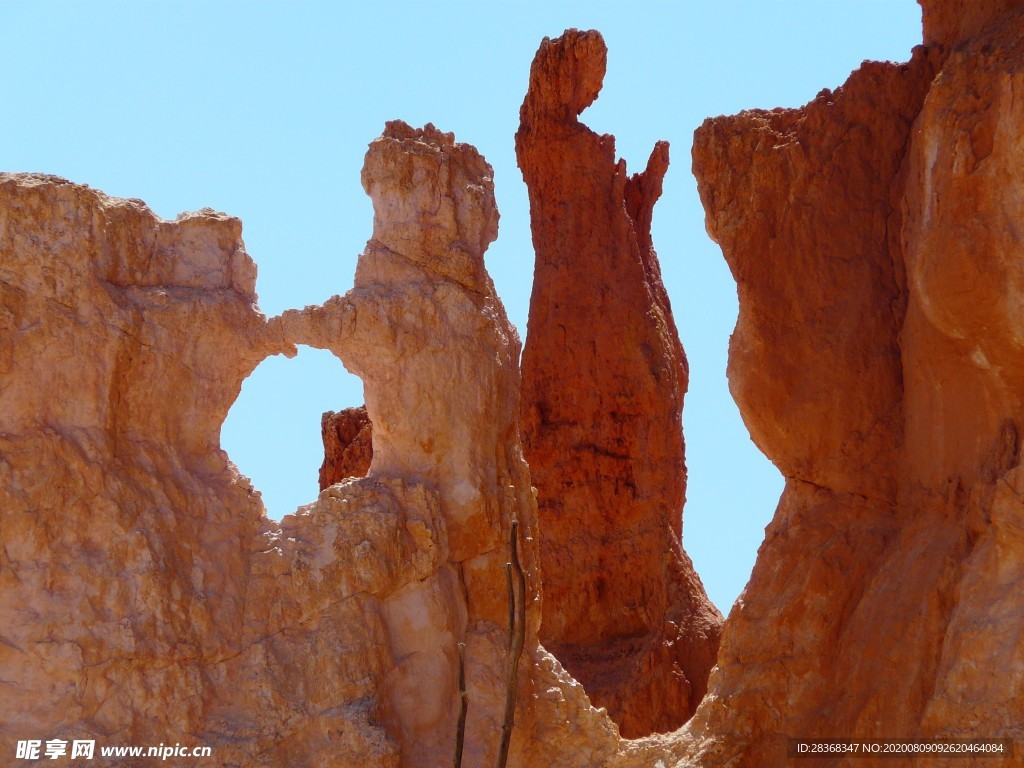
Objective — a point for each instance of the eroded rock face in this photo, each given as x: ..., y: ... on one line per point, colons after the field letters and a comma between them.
x: 419, y: 320
x: 146, y: 596
x: 603, y: 382
x: 874, y: 237
x: 348, y: 445
x: 951, y: 22
x: 127, y: 534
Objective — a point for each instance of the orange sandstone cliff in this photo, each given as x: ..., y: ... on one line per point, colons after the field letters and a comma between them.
x: 875, y: 239
x: 604, y: 376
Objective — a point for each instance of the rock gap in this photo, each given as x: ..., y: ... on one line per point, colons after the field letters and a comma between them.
x: 280, y: 450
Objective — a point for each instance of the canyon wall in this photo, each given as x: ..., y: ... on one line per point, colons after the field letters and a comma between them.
x: 604, y: 376
x: 875, y: 239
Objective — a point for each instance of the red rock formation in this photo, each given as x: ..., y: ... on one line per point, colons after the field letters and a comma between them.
x: 348, y: 445
x: 951, y: 22
x: 875, y: 239
x: 875, y: 236
x: 603, y: 382
x: 144, y: 595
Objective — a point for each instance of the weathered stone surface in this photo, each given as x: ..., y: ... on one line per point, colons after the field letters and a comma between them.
x: 126, y: 532
x: 951, y: 22
x: 348, y: 445
x: 147, y: 598
x: 874, y: 237
x: 603, y: 382
x: 425, y: 331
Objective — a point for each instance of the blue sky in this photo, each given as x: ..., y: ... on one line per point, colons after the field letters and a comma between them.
x: 264, y: 110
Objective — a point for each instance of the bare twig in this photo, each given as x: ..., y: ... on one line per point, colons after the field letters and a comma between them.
x: 460, y: 732
x: 517, y: 637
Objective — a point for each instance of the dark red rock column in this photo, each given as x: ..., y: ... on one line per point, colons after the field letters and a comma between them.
x: 348, y: 445
x: 604, y: 376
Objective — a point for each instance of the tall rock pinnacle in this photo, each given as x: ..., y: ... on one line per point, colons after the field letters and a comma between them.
x: 604, y: 376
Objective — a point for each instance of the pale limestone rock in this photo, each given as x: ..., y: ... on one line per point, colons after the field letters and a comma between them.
x: 424, y: 329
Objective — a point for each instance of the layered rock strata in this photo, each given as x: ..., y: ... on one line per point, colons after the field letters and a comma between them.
x: 875, y: 239
x: 348, y: 445
x: 604, y: 376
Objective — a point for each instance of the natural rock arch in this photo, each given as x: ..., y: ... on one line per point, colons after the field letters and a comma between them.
x: 270, y: 431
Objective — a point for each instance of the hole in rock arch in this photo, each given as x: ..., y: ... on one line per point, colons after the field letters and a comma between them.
x: 272, y: 432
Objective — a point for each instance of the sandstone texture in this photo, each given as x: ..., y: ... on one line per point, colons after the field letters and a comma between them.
x: 422, y: 323
x: 875, y: 239
x: 878, y: 360
x: 604, y: 376
x: 146, y: 598
x: 348, y: 445
x: 127, y: 535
